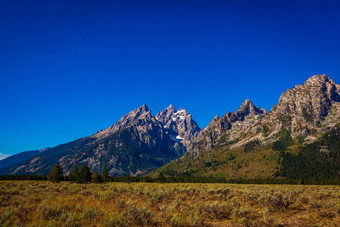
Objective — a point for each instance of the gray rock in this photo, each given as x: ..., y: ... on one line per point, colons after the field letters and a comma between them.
x: 306, y: 110
x: 230, y: 126
x: 179, y: 123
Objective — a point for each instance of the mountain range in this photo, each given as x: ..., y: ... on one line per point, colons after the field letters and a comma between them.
x: 135, y: 145
x: 248, y: 143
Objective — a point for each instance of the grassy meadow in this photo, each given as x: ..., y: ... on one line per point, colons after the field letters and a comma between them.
x: 41, y: 203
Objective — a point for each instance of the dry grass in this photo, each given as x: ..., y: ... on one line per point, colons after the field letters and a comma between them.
x: 33, y: 203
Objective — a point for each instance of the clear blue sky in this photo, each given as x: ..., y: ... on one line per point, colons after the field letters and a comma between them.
x: 69, y: 68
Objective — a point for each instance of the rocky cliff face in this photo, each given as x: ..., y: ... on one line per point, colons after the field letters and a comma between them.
x: 248, y: 108
x: 248, y: 142
x: 140, y: 114
x: 302, y: 109
x: 165, y: 115
x: 179, y: 123
x: 227, y: 128
x: 306, y: 111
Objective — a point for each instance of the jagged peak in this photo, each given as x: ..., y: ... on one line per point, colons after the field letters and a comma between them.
x: 147, y: 113
x: 180, y: 115
x: 180, y: 110
x: 171, y: 107
x: 247, y: 108
x: 319, y: 80
x: 246, y: 103
x: 216, y: 117
x: 165, y: 115
x: 141, y: 112
x: 134, y: 115
x: 143, y: 108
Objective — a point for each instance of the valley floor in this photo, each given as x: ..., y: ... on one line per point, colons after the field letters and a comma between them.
x: 41, y: 203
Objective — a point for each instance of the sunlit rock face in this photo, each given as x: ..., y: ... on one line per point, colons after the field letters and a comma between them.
x: 230, y: 126
x: 179, y: 123
x: 306, y: 110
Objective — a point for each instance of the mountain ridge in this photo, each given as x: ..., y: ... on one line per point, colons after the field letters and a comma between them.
x: 140, y: 142
x: 134, y: 145
x: 241, y: 147
x: 246, y: 114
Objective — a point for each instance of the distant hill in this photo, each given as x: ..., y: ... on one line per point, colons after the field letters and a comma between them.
x: 17, y: 158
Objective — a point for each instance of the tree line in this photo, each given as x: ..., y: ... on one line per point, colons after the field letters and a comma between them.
x: 84, y: 175
x: 316, y: 161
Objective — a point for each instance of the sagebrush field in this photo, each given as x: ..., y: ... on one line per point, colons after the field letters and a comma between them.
x: 41, y: 203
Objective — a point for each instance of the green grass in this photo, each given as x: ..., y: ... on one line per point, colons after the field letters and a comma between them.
x: 222, y: 162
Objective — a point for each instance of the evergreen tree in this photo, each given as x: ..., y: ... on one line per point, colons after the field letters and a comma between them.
x: 96, y: 178
x: 161, y: 177
x: 75, y: 174
x: 56, y: 174
x: 84, y: 174
x: 105, y: 174
x: 284, y: 141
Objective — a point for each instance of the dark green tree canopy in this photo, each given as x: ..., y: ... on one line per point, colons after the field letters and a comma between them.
x: 56, y: 174
x: 84, y: 174
x: 105, y: 174
x: 74, y: 176
x: 96, y: 178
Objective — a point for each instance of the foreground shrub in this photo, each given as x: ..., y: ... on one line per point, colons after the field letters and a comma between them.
x: 218, y: 210
x: 139, y: 215
x: 142, y: 204
x: 281, y: 201
x: 176, y: 219
x: 116, y: 220
x: 243, y: 212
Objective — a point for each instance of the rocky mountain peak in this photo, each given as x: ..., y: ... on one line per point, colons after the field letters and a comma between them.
x: 301, y: 109
x: 140, y: 110
x: 318, y: 80
x: 215, y: 118
x: 133, y: 115
x: 146, y: 115
x: 181, y: 114
x: 326, y: 85
x: 230, y: 125
x: 171, y: 107
x: 180, y: 123
x: 165, y: 115
x: 127, y: 120
x: 313, y: 99
x: 248, y: 108
x: 307, y: 110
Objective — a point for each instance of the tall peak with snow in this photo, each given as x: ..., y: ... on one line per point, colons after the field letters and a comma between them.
x: 166, y: 114
x: 179, y: 122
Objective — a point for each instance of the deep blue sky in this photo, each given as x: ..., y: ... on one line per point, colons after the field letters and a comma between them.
x: 69, y: 69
